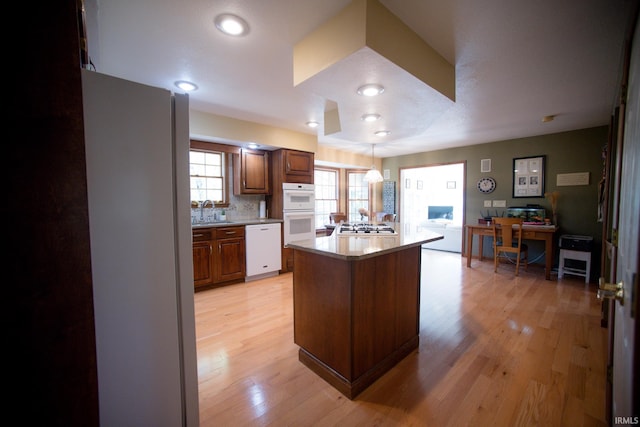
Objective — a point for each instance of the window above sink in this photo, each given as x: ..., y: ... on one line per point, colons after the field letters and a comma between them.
x: 209, y: 172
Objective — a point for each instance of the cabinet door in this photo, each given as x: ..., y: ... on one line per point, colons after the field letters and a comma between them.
x: 287, y: 260
x: 298, y: 166
x: 230, y: 259
x: 202, y: 263
x: 252, y: 174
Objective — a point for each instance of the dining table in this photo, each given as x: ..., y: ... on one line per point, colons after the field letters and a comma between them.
x: 543, y: 232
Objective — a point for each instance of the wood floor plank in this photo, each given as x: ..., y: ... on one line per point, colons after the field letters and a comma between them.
x: 495, y: 350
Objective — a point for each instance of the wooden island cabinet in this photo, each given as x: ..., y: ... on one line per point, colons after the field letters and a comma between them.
x: 357, y: 305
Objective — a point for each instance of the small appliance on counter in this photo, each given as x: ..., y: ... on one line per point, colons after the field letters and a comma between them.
x: 530, y: 214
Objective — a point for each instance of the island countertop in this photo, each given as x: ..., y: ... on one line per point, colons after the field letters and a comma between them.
x: 354, y: 247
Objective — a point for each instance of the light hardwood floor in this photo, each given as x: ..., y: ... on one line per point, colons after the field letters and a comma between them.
x: 495, y: 350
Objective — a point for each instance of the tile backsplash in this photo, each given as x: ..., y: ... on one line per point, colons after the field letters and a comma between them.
x: 240, y: 208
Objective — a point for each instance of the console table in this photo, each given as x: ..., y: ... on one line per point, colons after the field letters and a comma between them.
x: 545, y: 233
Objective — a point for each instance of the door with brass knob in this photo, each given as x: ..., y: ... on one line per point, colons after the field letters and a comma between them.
x: 622, y: 233
x: 614, y: 291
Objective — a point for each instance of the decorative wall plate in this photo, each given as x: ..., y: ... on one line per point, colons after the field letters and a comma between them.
x: 486, y: 185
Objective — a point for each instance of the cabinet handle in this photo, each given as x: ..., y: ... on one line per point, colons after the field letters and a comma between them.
x: 230, y: 232
x: 198, y: 235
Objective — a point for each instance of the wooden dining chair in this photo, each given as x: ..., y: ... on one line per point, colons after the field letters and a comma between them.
x: 337, y: 217
x: 389, y: 217
x: 507, y: 238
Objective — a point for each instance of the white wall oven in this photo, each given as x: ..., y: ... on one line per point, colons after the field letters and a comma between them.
x: 298, y: 197
x: 298, y: 212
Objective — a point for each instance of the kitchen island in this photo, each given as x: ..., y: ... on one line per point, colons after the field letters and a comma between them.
x: 357, y: 304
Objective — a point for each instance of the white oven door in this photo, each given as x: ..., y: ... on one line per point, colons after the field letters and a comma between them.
x: 300, y: 200
x: 299, y: 225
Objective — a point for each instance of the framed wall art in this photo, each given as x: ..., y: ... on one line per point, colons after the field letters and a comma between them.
x: 528, y: 176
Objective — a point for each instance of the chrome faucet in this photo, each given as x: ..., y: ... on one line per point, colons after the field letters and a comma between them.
x: 202, y: 206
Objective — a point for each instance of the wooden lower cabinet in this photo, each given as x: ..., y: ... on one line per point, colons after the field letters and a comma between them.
x: 218, y: 256
x: 229, y: 255
x: 202, y: 259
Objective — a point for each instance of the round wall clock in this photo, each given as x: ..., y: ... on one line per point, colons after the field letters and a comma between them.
x: 486, y: 185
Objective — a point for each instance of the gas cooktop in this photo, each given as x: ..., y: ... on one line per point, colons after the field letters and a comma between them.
x: 347, y: 229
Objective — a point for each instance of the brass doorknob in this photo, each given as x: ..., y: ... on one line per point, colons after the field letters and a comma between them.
x: 613, y: 291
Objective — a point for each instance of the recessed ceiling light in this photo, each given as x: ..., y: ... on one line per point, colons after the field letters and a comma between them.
x: 186, y: 86
x: 312, y: 124
x: 383, y: 133
x: 370, y: 117
x: 231, y: 24
x: 370, y: 90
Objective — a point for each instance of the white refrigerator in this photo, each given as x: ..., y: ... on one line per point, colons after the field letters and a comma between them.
x: 137, y: 147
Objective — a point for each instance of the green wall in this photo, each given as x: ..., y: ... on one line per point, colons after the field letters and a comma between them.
x: 566, y: 152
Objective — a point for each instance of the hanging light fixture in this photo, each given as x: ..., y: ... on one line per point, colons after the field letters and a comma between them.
x: 373, y: 175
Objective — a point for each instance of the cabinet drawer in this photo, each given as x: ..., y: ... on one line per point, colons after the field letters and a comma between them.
x: 528, y: 234
x: 228, y: 232
x: 202, y: 235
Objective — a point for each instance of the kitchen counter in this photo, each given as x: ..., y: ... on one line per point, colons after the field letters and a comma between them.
x: 235, y: 222
x: 355, y: 247
x: 357, y: 304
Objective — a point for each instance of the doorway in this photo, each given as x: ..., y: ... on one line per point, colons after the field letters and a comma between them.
x: 432, y: 198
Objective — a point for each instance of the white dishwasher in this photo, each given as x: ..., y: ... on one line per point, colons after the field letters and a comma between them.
x: 263, y: 249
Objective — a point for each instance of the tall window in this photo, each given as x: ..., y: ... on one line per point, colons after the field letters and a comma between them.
x: 326, y: 185
x: 357, y: 196
x: 207, y: 175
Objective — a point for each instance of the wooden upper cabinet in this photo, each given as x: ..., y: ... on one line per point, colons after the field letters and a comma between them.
x: 293, y: 166
x: 298, y: 163
x: 251, y: 172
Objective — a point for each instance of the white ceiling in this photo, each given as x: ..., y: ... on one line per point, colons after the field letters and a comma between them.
x: 516, y: 61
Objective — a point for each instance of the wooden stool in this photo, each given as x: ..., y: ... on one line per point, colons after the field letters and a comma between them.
x: 578, y: 256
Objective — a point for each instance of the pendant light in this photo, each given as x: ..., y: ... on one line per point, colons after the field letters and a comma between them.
x: 373, y: 175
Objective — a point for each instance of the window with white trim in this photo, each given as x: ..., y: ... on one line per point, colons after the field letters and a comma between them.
x: 357, y: 196
x: 206, y: 170
x: 326, y: 187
